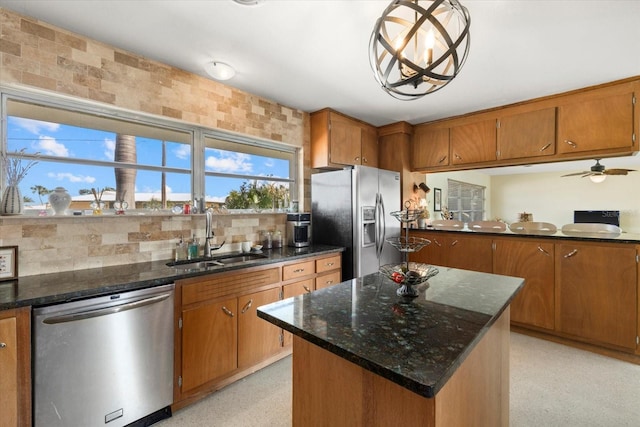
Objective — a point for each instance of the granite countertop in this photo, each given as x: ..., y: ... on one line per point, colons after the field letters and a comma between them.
x: 633, y: 238
x: 54, y: 288
x: 417, y: 343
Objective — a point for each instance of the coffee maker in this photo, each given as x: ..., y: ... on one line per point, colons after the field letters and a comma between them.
x: 298, y: 229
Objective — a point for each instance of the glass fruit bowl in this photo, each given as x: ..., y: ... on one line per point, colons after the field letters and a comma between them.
x: 408, y: 244
x: 411, y: 273
x: 407, y: 215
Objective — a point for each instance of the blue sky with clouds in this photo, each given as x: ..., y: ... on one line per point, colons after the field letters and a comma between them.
x: 69, y: 142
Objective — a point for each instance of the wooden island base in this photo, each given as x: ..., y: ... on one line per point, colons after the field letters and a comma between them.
x: 331, y: 391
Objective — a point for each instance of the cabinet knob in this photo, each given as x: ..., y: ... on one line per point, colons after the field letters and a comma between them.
x: 2, y: 345
x: 364, y: 160
x: 357, y: 159
x: 571, y: 143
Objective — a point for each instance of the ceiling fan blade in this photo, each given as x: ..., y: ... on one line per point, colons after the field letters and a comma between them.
x: 618, y: 171
x: 577, y: 173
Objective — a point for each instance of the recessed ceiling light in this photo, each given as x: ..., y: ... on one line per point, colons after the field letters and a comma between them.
x: 249, y: 2
x: 219, y: 70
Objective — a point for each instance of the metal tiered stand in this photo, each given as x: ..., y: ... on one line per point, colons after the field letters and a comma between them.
x: 408, y: 274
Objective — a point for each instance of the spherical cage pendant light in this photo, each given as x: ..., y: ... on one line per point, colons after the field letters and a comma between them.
x: 418, y: 46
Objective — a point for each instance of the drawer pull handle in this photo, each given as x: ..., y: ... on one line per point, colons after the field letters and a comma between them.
x: 247, y: 306
x: 227, y: 311
x: 2, y: 345
x: 442, y: 159
x: 329, y: 264
x: 458, y: 157
x: 298, y: 270
x: 436, y: 242
x: 543, y: 251
x: 572, y: 253
x: 328, y: 282
x: 306, y: 288
x: 545, y: 147
x: 364, y: 160
x: 357, y: 159
x: 455, y: 242
x: 571, y: 143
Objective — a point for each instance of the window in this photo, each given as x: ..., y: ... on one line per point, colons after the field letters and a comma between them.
x: 465, y: 201
x: 147, y: 163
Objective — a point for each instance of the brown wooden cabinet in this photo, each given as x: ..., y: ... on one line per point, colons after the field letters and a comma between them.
x: 528, y: 134
x: 473, y: 142
x: 430, y: 147
x: 15, y: 367
x: 257, y: 339
x: 209, y: 343
x: 596, y: 292
x: 338, y: 140
x: 292, y: 290
x: 532, y: 260
x: 456, y: 250
x: 600, y: 119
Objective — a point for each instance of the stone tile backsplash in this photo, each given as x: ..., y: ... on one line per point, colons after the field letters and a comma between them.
x: 54, y: 244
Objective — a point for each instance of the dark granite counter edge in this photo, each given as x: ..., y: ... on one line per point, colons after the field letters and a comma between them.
x: 118, y: 279
x: 632, y: 238
x: 421, y: 389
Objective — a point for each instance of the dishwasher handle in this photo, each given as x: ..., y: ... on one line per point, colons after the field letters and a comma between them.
x: 87, y: 314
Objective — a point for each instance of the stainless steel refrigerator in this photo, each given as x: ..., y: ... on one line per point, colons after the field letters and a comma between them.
x: 351, y: 208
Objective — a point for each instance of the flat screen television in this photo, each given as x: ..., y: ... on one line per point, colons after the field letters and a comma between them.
x: 599, y: 217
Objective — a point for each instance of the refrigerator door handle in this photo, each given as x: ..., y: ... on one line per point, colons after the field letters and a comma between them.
x: 383, y: 226
x: 377, y: 224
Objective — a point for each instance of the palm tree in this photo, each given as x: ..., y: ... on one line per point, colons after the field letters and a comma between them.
x: 125, y: 152
x: 40, y: 191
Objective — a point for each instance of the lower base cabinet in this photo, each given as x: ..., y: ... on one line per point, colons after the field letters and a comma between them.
x: 15, y: 367
x: 582, y: 291
x: 220, y: 337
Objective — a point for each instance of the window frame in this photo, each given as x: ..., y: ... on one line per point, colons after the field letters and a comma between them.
x: 197, y: 138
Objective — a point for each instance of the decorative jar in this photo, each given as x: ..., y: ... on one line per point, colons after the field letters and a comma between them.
x: 12, y: 203
x: 60, y: 200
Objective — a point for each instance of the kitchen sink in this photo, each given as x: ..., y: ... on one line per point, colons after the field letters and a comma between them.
x: 219, y: 261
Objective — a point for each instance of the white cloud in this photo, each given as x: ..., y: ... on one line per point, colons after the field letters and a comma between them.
x: 35, y: 126
x: 183, y: 151
x: 229, y: 162
x: 269, y: 163
x: 62, y: 176
x: 49, y: 145
x: 109, y: 148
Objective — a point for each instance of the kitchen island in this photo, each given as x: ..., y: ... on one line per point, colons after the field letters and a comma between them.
x: 362, y: 356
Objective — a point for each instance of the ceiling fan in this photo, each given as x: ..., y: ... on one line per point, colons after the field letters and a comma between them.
x: 598, y: 173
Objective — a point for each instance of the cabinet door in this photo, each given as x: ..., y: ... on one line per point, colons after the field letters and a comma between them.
x: 209, y: 342
x: 257, y: 338
x: 433, y: 253
x: 597, y: 292
x: 292, y: 290
x: 530, y: 134
x: 469, y: 253
x: 369, y: 146
x: 344, y: 140
x: 429, y: 148
x: 596, y: 124
x: 533, y: 261
x: 473, y: 143
x: 9, y: 376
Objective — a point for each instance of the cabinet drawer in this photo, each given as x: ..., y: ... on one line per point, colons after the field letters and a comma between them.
x: 327, y: 264
x: 327, y: 280
x: 299, y: 269
x: 219, y: 285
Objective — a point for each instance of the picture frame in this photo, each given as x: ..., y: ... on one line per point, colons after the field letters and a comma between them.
x: 8, y: 263
x: 437, y: 199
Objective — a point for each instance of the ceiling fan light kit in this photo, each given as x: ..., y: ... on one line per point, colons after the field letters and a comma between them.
x: 418, y: 46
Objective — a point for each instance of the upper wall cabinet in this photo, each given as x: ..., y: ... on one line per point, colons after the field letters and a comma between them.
x: 529, y: 134
x: 430, y: 147
x: 596, y: 120
x: 593, y: 122
x: 473, y: 142
x: 338, y: 141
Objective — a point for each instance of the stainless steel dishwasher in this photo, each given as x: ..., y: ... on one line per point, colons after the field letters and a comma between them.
x: 105, y: 360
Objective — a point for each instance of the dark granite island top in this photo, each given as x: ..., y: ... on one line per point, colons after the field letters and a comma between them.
x: 418, y: 343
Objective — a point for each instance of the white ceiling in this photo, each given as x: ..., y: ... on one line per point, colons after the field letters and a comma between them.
x: 311, y: 54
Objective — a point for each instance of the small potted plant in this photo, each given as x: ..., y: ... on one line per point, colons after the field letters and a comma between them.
x: 12, y: 202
